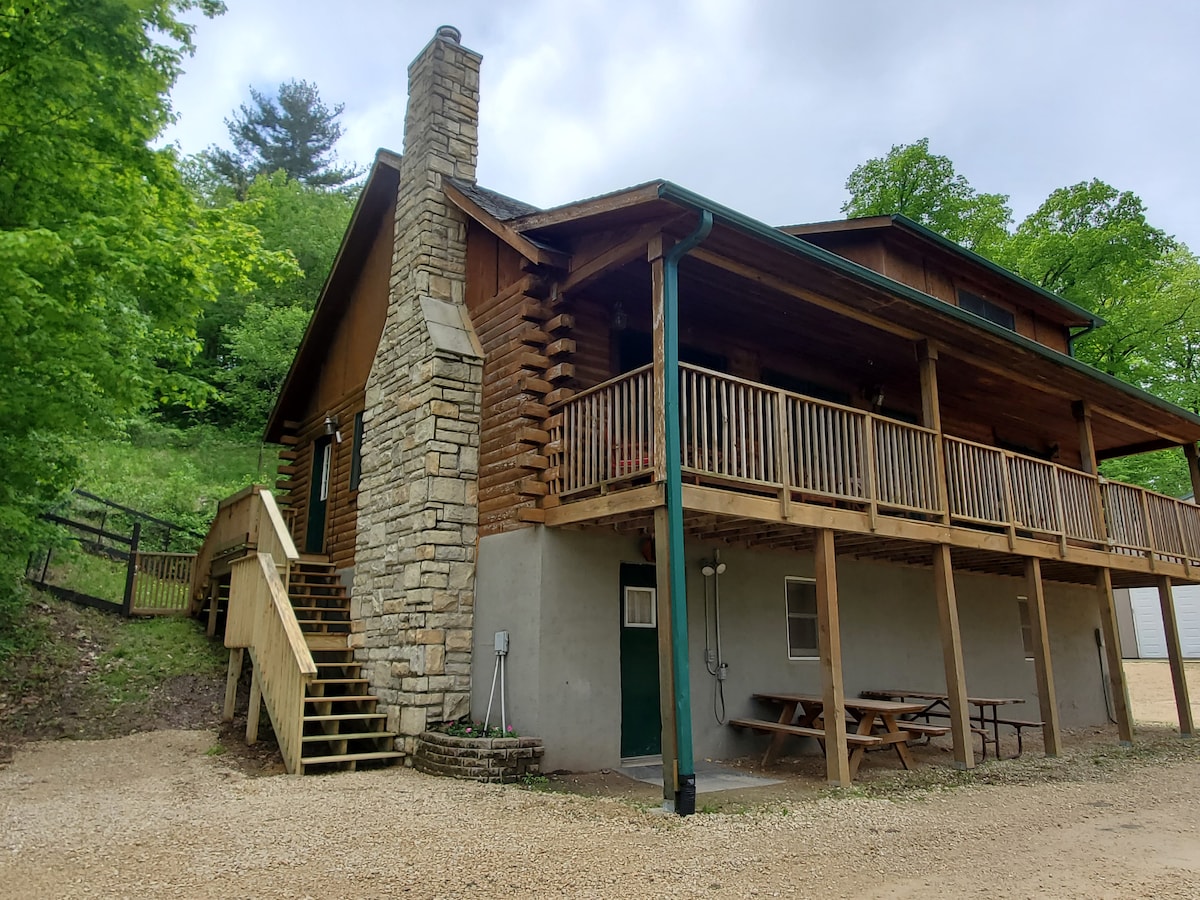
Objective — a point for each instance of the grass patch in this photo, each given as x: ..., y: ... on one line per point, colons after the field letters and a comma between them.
x: 178, y: 475
x: 147, y: 652
x: 96, y: 576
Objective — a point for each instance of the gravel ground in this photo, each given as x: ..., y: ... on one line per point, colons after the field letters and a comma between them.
x: 154, y: 814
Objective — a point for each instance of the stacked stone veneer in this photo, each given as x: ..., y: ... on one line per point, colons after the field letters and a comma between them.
x: 413, y: 594
x: 479, y: 759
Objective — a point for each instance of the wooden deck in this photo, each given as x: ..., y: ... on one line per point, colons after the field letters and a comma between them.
x: 765, y: 466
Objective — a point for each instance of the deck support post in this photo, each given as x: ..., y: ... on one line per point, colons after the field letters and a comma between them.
x: 1112, y: 649
x: 255, y: 706
x: 829, y: 640
x: 1087, y: 444
x: 214, y: 603
x: 1193, y: 464
x: 1183, y: 704
x: 1043, y: 670
x: 952, y: 657
x: 231, y: 682
x: 666, y: 671
x: 931, y: 416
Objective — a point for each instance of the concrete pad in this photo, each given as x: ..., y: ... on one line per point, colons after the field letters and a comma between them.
x: 710, y: 777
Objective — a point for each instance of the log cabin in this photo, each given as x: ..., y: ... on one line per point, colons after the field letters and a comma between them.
x: 677, y: 456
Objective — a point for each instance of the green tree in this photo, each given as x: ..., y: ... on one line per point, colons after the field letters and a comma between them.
x: 926, y: 188
x: 294, y: 132
x: 105, y: 259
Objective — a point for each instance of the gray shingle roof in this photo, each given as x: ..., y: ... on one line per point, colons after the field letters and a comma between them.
x: 493, y: 203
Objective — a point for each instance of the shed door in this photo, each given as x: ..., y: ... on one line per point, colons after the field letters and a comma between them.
x: 1147, y: 621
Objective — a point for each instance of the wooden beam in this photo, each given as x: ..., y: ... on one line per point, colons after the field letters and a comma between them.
x: 1183, y: 705
x: 666, y: 672
x: 584, y: 272
x: 829, y: 640
x: 1112, y: 648
x: 640, y: 499
x: 1043, y: 670
x: 1193, y: 464
x: 952, y: 657
x: 535, y: 253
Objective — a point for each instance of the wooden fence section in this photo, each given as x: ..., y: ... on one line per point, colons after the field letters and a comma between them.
x: 261, y: 618
x: 161, y: 584
x: 740, y: 434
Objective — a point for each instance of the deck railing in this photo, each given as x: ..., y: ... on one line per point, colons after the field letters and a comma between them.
x: 740, y: 434
x: 161, y: 584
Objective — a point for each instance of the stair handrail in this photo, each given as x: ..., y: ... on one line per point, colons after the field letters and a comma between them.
x: 261, y: 619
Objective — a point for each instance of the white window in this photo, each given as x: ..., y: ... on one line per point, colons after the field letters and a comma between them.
x: 326, y: 458
x: 801, y: 596
x: 1026, y: 626
x: 640, y: 609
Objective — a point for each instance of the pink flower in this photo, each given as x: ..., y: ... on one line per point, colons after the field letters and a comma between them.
x: 468, y: 730
x: 509, y: 728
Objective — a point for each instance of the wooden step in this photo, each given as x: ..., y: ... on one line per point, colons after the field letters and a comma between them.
x: 325, y: 641
x: 338, y: 681
x: 340, y: 698
x: 344, y: 717
x: 350, y: 757
x: 355, y: 736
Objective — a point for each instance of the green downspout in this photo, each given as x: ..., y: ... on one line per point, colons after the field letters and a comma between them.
x: 685, y: 797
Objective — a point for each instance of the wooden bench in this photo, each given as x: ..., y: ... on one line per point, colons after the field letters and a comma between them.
x: 781, y: 728
x: 924, y: 728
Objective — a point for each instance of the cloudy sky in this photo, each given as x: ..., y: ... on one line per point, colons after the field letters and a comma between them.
x: 764, y: 105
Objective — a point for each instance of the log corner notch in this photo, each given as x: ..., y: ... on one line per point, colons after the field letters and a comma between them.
x: 527, y: 345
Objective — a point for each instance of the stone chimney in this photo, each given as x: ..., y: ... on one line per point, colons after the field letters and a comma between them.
x: 413, y: 593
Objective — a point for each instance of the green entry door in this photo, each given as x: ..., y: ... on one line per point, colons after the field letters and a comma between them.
x: 318, y: 496
x: 641, y: 722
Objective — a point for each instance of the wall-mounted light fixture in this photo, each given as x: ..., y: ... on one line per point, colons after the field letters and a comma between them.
x: 331, y: 423
x: 619, y: 318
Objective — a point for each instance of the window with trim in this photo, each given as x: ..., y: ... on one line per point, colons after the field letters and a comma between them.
x: 1026, y: 626
x: 985, y: 309
x: 801, y: 596
x: 640, y: 609
x: 356, y: 452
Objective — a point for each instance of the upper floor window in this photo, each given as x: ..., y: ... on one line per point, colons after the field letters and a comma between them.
x: 356, y: 452
x: 985, y: 309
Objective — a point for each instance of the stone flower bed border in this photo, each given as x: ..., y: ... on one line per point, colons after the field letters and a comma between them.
x: 497, y: 760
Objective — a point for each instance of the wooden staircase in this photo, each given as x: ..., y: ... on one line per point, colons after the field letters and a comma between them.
x: 341, y: 727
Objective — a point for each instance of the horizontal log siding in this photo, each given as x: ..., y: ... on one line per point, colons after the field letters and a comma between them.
x: 514, y: 346
x: 341, y: 511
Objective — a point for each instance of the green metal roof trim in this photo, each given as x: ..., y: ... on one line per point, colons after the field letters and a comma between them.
x: 741, y: 222
x: 954, y: 247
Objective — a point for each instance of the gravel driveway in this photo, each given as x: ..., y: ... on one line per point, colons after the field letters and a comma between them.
x: 152, y: 815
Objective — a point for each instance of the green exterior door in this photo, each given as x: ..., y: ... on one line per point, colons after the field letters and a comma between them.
x: 318, y: 496
x: 641, y: 721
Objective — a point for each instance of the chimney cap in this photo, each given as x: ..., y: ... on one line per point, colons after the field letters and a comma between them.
x: 450, y: 33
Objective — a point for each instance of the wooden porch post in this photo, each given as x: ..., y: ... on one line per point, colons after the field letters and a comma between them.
x: 1193, y: 464
x: 1112, y: 648
x: 662, y: 536
x: 1183, y: 705
x: 829, y: 641
x: 1044, y: 671
x: 1087, y: 444
x: 666, y: 672
x: 931, y: 415
x: 255, y: 706
x: 231, y: 682
x: 952, y: 657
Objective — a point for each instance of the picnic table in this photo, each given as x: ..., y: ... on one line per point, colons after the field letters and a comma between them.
x: 938, y: 705
x: 877, y: 723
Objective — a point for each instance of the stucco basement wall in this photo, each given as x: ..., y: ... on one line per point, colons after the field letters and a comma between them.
x: 557, y: 593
